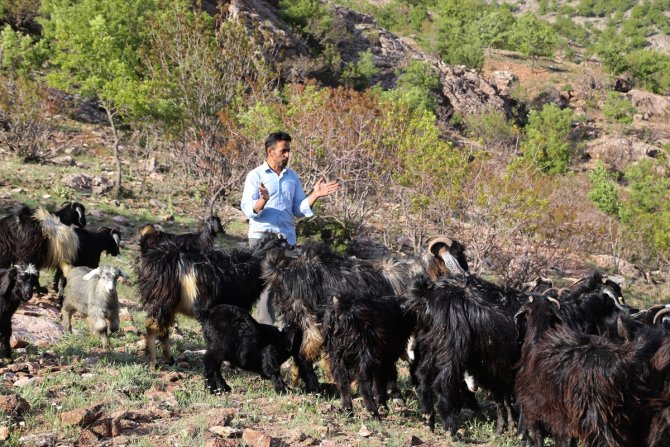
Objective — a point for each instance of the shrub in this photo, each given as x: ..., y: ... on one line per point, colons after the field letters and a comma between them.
x: 603, y: 191
x: 618, y: 109
x: 547, y: 143
x: 493, y: 130
x: 358, y: 74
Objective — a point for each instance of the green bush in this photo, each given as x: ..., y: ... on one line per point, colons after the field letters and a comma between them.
x: 416, y: 86
x: 358, y: 74
x: 618, y: 109
x: 20, y: 53
x: 604, y: 190
x: 493, y: 130
x: 650, y: 69
x: 547, y: 144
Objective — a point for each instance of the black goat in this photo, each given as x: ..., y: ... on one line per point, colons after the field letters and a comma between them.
x: 232, y: 335
x: 578, y: 386
x: 72, y: 213
x: 91, y: 246
x: 456, y: 331
x: 151, y: 236
x: 16, y: 286
x: 173, y: 279
x: 365, y: 335
x: 36, y: 237
x: 303, y: 285
x: 657, y: 316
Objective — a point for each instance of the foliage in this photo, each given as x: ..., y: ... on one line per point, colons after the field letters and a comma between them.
x: 416, y: 86
x: 20, y: 53
x: 604, y: 189
x: 198, y: 75
x: 612, y: 50
x: 546, y: 144
x: 494, y: 130
x: 459, y: 41
x: 309, y: 16
x: 646, y: 210
x: 359, y: 73
x: 533, y: 37
x: 20, y: 14
x: 26, y: 129
x: 618, y: 109
x: 650, y: 69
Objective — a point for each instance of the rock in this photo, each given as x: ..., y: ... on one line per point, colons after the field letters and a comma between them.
x: 221, y: 416
x: 610, y: 262
x: 121, y: 220
x: 95, y: 213
x: 39, y: 440
x: 13, y: 404
x: 221, y: 442
x: 226, y: 432
x: 24, y: 381
x: 413, y: 440
x: 65, y: 160
x: 623, y: 83
x: 503, y: 80
x: 82, y: 416
x: 254, y: 438
x: 364, y: 432
x: 88, y: 438
x: 656, y: 107
x: 89, y: 183
x: 4, y: 433
x: 158, y: 204
x: 103, y: 428
x: 167, y: 218
x: 10, y: 376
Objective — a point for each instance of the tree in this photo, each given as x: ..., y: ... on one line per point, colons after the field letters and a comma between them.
x: 547, y: 144
x: 604, y: 189
x: 201, y: 75
x: 534, y: 37
x: 94, y: 47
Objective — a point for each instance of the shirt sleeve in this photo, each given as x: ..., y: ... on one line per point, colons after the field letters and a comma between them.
x: 250, y: 195
x: 301, y: 206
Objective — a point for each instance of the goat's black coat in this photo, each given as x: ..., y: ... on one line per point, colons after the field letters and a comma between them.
x: 16, y: 286
x: 302, y: 287
x: 458, y: 332
x: 365, y: 335
x: 232, y: 335
x: 22, y: 239
x: 91, y: 246
x: 578, y: 386
x: 72, y: 213
x: 150, y: 237
x: 173, y: 279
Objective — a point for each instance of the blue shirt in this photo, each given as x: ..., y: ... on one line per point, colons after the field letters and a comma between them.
x: 287, y: 201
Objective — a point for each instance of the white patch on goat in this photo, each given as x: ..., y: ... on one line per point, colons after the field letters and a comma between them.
x: 79, y: 211
x: 618, y: 300
x: 470, y: 382
x: 63, y: 241
x: 117, y: 239
x: 109, y: 282
x: 452, y: 264
x: 189, y: 292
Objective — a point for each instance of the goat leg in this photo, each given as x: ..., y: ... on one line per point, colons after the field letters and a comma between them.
x: 271, y: 368
x: 307, y: 374
x: 365, y: 387
x: 5, y: 348
x: 212, y: 371
x: 343, y: 380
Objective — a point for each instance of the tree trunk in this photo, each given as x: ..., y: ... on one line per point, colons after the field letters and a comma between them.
x: 116, y: 192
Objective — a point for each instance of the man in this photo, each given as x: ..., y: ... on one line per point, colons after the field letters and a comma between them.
x: 273, y: 198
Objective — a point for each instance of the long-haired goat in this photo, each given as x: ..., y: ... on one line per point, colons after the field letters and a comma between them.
x: 302, y: 287
x: 91, y: 246
x: 16, y: 286
x: 365, y: 335
x: 457, y: 332
x: 151, y: 236
x: 173, y: 280
x: 574, y: 385
x: 36, y: 237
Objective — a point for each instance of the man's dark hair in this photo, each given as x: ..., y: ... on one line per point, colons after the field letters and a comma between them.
x: 274, y: 137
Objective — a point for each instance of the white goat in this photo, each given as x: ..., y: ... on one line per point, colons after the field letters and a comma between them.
x: 92, y: 293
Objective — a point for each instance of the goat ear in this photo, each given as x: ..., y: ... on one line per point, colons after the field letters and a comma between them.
x: 90, y: 275
x: 6, y: 278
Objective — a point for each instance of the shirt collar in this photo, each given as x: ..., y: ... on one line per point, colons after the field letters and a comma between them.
x: 266, y: 168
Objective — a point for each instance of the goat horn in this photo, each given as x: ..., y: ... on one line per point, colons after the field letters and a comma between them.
x: 432, y: 241
x: 576, y: 282
x: 555, y: 301
x: 661, y: 312
x: 104, y: 228
x: 67, y: 202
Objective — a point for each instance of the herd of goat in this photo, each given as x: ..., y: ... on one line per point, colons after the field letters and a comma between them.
x: 576, y: 364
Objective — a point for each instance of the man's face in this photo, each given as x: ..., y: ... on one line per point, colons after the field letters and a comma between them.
x: 278, y: 154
